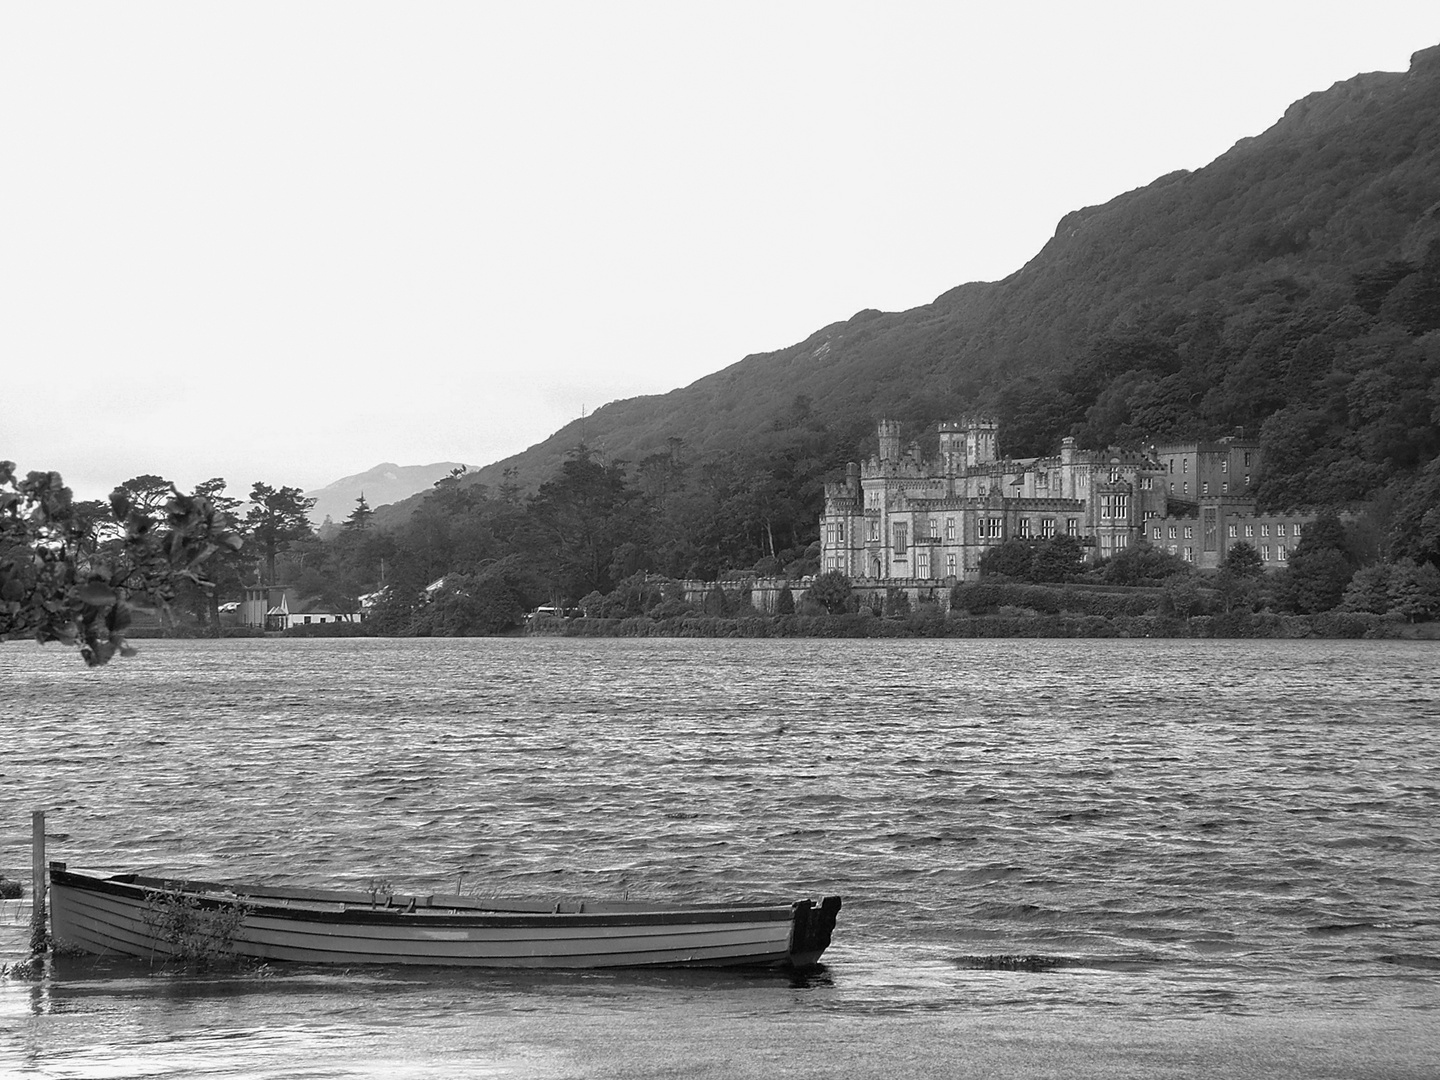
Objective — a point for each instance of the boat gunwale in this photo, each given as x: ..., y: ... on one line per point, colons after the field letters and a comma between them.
x: 358, y: 908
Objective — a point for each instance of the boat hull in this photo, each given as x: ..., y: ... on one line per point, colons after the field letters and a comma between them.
x: 157, y: 918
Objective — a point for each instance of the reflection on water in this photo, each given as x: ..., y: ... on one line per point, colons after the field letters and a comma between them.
x: 1171, y: 831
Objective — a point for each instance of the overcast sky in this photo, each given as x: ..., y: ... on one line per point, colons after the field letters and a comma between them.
x: 289, y: 241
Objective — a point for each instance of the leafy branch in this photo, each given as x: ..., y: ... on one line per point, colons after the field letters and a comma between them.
x: 68, y: 575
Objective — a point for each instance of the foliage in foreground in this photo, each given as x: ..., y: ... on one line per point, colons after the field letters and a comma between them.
x: 68, y: 570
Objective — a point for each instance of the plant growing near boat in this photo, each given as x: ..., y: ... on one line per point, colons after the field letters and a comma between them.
x: 195, y: 933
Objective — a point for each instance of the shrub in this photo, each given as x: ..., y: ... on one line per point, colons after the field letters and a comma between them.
x: 831, y: 590
x: 194, y: 933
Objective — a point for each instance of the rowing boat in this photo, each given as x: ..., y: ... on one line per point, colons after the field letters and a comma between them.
x: 160, y: 918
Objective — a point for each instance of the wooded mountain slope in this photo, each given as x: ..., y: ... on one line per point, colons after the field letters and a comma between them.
x: 1291, y: 287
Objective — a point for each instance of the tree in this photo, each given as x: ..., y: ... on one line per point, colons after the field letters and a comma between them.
x: 1243, y: 560
x: 1239, y: 577
x: 581, y: 519
x: 1012, y: 559
x: 1141, y: 564
x: 492, y: 601
x: 1181, y: 597
x: 359, y: 519
x: 1414, y: 591
x: 1318, y: 581
x: 831, y: 590
x: 1368, y: 590
x: 223, y: 570
x: 1415, y: 532
x: 147, y: 494
x: 1058, y: 559
x: 55, y: 583
x: 1319, y: 568
x: 277, y: 517
x: 785, y: 602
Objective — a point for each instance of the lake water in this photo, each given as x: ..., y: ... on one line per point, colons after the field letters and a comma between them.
x: 1229, y: 849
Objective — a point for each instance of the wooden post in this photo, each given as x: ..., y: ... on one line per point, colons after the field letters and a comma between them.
x: 37, y: 895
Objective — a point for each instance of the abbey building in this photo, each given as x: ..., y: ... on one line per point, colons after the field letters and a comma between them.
x: 910, y: 519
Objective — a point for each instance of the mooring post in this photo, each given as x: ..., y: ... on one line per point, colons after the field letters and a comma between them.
x: 37, y: 894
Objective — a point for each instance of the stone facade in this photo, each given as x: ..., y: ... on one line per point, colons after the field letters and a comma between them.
x: 901, y: 516
x: 1206, y: 535
x: 918, y: 522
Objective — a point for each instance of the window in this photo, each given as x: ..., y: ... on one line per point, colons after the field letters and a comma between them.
x: 1234, y: 531
x: 874, y: 528
x: 1047, y: 528
x: 950, y: 565
x: 1249, y: 531
x: 922, y: 564
x: 934, y: 528
x: 1172, y: 472
x: 1280, y: 529
x: 1155, y: 533
x: 901, y: 532
x: 1115, y: 506
x: 1224, y: 465
x: 1114, y: 476
x: 1185, y: 466
x: 1297, y: 529
x: 1281, y: 553
x: 840, y: 531
x: 1173, y: 532
x: 1205, y: 487
x: 1265, y: 552
x: 1265, y: 529
x: 1189, y: 554
x: 1172, y: 549
x: 1185, y: 488
x: 949, y: 528
x: 1247, y: 462
x: 1024, y: 528
x: 1172, y: 487
x: 1225, y: 488
x: 1146, y: 483
x: 1072, y: 526
x: 992, y: 528
x: 1189, y: 532
x: 981, y: 490
x: 1247, y: 479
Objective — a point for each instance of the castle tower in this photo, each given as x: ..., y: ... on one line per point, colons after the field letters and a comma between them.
x: 952, y: 448
x: 981, y: 437
x: 889, y: 433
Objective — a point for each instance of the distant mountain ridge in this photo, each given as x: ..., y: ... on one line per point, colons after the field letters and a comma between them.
x: 1347, y: 182
x: 385, y: 483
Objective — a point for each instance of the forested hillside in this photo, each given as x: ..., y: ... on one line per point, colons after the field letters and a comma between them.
x: 1291, y: 287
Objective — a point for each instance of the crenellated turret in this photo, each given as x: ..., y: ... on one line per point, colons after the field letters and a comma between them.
x: 889, y: 434
x: 981, y: 438
x: 952, y: 448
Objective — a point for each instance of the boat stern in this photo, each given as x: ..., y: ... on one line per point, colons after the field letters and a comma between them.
x: 811, y: 930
